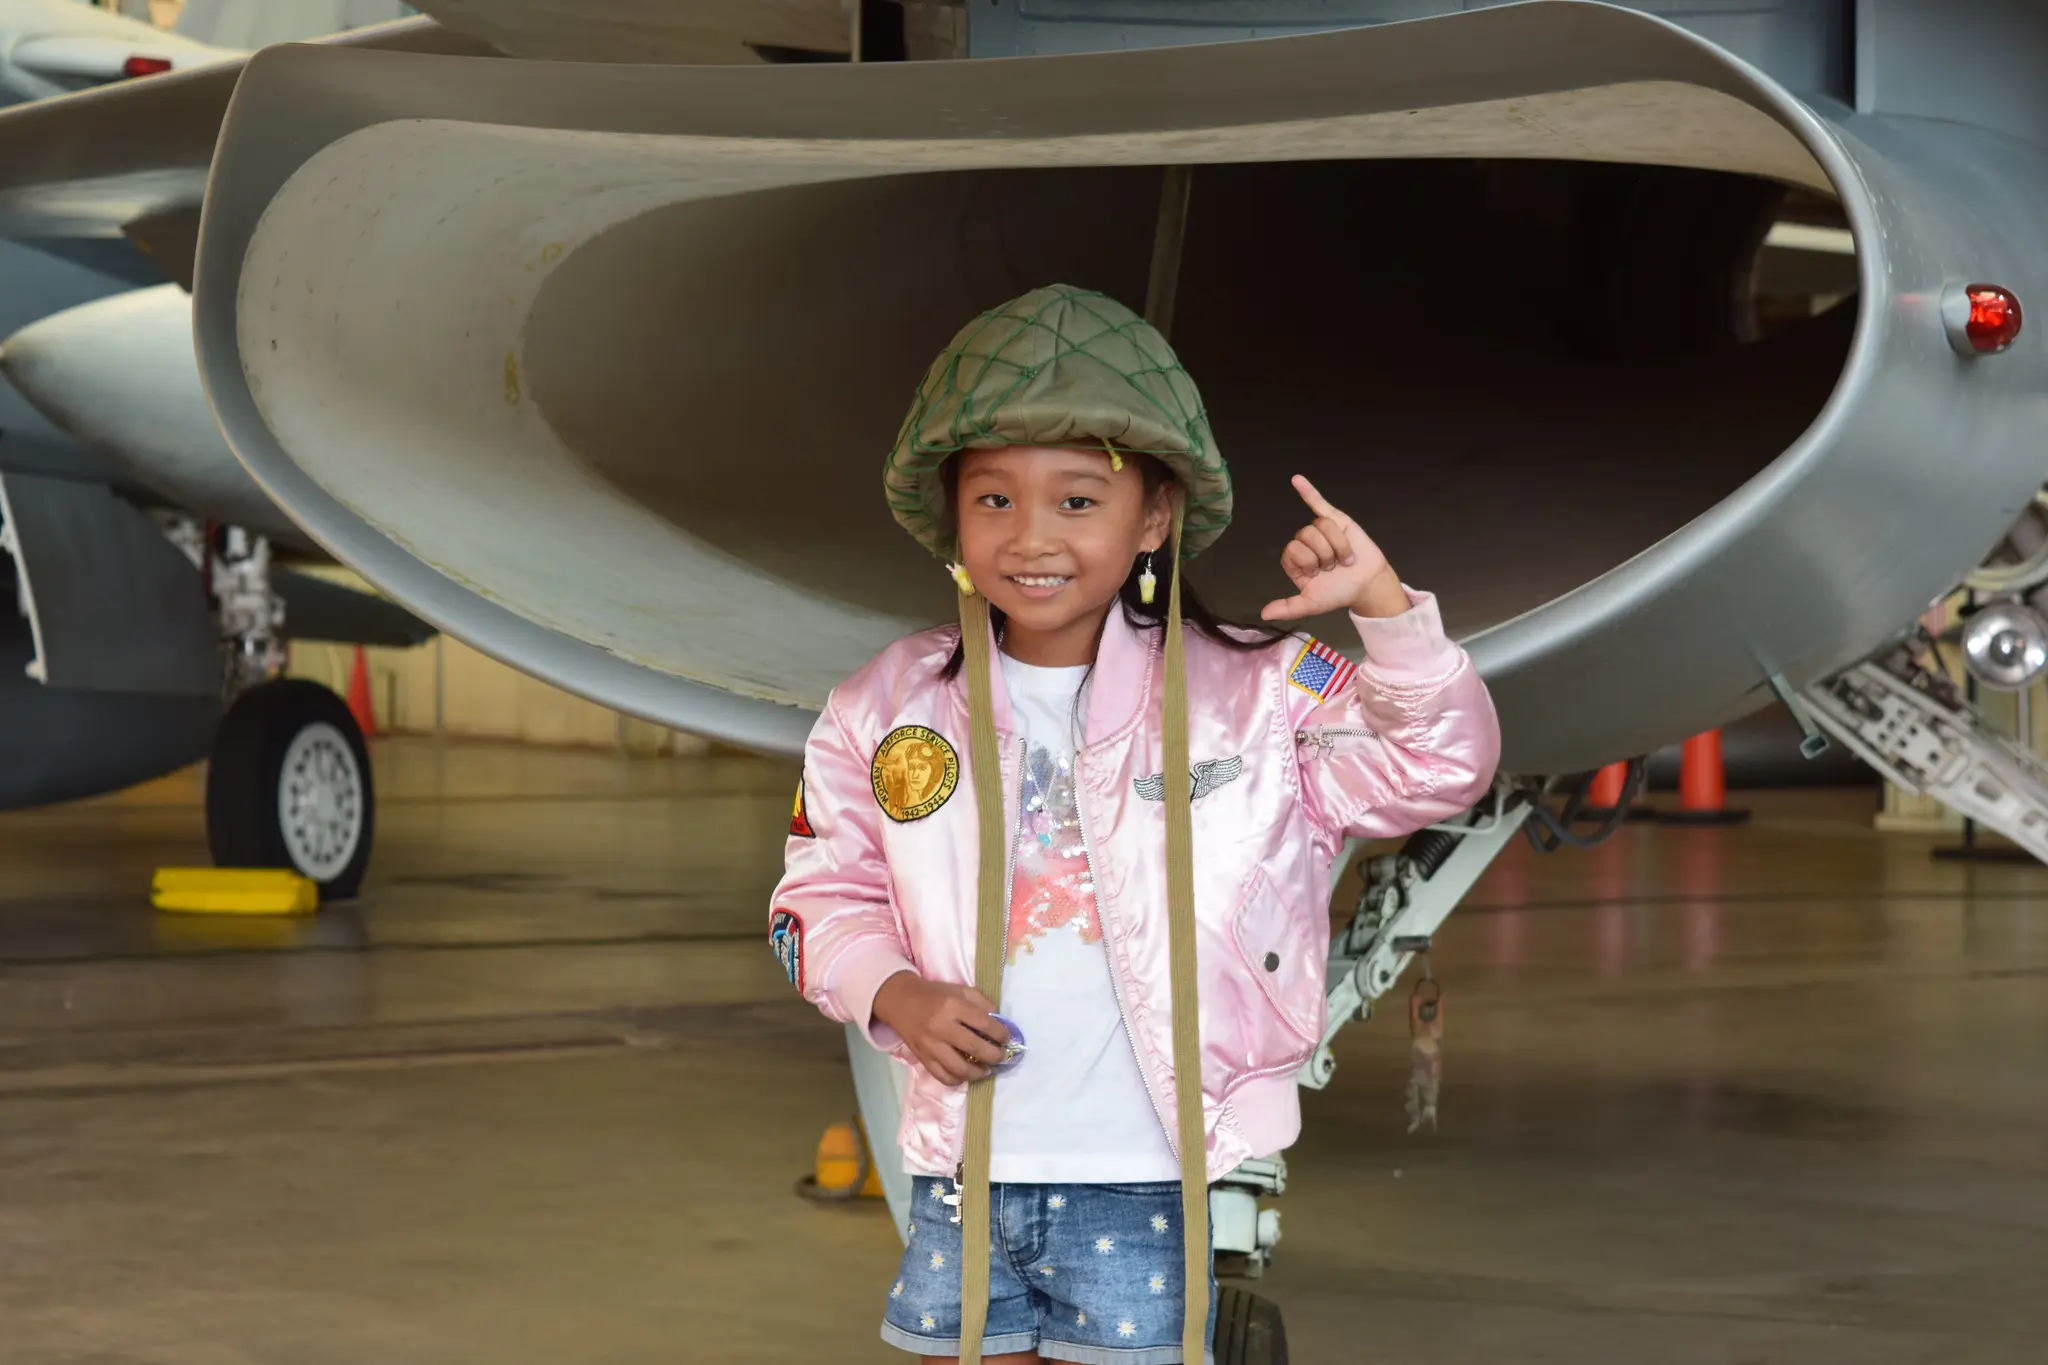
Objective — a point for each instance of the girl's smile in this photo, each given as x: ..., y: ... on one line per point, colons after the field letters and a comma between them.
x: 1040, y: 587
x: 1049, y: 534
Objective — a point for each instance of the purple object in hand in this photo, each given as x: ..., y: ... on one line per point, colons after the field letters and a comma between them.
x: 1013, y: 1051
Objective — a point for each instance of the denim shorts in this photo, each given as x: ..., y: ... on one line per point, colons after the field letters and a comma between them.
x: 1088, y: 1273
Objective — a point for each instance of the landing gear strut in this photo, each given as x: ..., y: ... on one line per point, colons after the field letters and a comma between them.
x: 1408, y: 895
x: 288, y: 783
x: 1898, y: 712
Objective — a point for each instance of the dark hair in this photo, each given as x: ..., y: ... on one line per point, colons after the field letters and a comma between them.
x: 1141, y: 615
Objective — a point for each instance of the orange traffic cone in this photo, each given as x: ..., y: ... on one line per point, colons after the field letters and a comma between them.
x: 1703, y: 785
x: 1609, y: 788
x: 844, y: 1169
x: 1702, y: 778
x: 359, y: 704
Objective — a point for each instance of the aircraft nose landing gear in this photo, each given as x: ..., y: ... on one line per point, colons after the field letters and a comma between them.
x: 288, y: 783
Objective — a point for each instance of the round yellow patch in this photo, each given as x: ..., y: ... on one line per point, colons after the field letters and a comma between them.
x: 915, y: 771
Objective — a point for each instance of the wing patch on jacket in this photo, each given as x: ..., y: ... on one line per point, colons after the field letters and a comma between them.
x: 914, y: 773
x: 799, y: 819
x: 1206, y: 776
x: 786, y: 937
x: 1320, y: 670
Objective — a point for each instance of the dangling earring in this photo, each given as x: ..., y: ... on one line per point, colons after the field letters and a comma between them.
x: 1148, y: 586
x: 959, y: 572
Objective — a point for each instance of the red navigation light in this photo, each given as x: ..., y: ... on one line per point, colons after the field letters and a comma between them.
x: 1981, y: 319
x: 1994, y: 318
x: 145, y: 66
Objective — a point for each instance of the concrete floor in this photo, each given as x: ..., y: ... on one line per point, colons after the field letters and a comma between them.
x: 1775, y: 1093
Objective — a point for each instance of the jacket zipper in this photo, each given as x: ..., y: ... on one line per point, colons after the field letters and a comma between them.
x: 1010, y: 850
x: 1123, y: 1015
x: 1325, y: 737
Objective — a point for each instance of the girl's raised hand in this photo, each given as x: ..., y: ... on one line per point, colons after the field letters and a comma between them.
x: 1335, y: 567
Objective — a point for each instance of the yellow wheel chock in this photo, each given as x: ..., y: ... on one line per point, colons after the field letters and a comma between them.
x: 233, y: 891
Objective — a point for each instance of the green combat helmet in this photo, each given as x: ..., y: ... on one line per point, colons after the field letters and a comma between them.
x: 1058, y: 367
x: 1066, y: 367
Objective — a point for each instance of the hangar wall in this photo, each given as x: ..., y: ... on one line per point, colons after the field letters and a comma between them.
x: 445, y: 687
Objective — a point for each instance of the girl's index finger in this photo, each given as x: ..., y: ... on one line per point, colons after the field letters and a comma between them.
x: 1317, y: 503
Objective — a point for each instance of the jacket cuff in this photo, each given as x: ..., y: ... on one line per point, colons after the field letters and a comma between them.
x: 858, y: 978
x: 1411, y: 646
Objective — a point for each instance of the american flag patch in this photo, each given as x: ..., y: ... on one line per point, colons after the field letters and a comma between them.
x: 1320, y: 670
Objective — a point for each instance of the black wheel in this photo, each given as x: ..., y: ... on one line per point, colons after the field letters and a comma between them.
x: 1248, y: 1329
x: 289, y: 786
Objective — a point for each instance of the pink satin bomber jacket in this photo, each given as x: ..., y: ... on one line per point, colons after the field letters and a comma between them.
x: 1411, y: 740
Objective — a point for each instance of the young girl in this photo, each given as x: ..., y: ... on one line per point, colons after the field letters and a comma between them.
x: 1122, y: 833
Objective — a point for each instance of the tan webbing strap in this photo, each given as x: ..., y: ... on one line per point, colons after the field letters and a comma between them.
x: 988, y: 970
x: 1180, y: 924
x: 1175, y: 188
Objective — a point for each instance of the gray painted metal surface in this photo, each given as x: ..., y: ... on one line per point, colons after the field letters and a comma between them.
x: 93, y: 599
x: 119, y: 374
x: 694, y: 31
x: 91, y: 163
x: 1917, y: 462
x: 315, y: 609
x: 1965, y: 61
x: 1804, y: 45
x: 1900, y: 485
x: 258, y: 23
x: 60, y: 744
x: 111, y: 604
x: 34, y: 283
x: 57, y: 457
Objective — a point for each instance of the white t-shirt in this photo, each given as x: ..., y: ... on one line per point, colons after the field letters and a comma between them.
x: 1073, y: 1110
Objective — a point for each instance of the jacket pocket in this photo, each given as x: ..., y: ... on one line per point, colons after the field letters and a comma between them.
x: 1283, y: 955
x: 1323, y: 741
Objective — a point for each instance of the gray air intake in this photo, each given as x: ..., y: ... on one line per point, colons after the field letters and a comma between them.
x: 594, y: 366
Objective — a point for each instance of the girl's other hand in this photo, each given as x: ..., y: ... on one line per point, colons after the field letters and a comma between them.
x: 951, y: 1029
x: 1335, y: 567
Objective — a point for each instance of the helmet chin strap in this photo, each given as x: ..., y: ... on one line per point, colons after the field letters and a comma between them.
x: 1191, y: 1139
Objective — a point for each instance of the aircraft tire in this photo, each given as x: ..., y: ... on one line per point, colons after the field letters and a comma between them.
x: 1248, y: 1329
x: 289, y: 786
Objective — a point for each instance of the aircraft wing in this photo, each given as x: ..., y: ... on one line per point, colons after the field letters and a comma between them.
x: 99, y: 161
x: 641, y: 31
x: 70, y: 62
x: 132, y: 157
x: 51, y: 46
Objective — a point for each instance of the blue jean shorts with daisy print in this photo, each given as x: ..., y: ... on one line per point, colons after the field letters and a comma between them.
x: 1088, y: 1273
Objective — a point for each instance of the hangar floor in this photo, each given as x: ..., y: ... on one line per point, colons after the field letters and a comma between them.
x: 1773, y: 1093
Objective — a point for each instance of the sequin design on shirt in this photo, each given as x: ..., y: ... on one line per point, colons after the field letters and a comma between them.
x: 1050, y: 886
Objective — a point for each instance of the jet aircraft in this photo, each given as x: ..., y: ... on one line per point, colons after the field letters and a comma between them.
x: 581, y: 333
